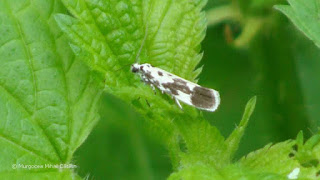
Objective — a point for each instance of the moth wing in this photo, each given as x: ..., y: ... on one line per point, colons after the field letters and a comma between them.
x: 205, y: 98
x: 193, y: 94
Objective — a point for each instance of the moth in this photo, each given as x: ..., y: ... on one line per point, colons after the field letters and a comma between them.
x: 180, y: 89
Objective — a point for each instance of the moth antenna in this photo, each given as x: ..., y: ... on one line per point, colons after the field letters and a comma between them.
x: 122, y: 67
x: 143, y: 41
x: 140, y: 49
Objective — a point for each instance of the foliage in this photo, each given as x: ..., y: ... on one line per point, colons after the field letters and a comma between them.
x: 48, y: 98
x: 50, y: 85
x: 305, y: 15
x: 112, y: 47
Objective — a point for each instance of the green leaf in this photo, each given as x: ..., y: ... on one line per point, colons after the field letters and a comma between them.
x: 91, y: 35
x: 48, y: 98
x: 112, y: 32
x: 282, y: 158
x: 308, y: 153
x: 109, y: 35
x: 121, y: 137
x: 208, y: 158
x: 272, y: 159
x: 305, y: 15
x: 233, y: 140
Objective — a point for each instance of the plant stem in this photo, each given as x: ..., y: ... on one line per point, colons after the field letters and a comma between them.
x: 222, y: 13
x: 250, y: 29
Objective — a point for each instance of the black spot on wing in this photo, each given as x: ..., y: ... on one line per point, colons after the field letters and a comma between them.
x: 160, y: 73
x: 203, y: 97
x: 171, y: 88
x: 156, y: 83
x: 149, y: 79
x: 177, y: 85
x: 148, y: 75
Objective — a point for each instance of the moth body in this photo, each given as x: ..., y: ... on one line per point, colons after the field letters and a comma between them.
x: 179, y: 88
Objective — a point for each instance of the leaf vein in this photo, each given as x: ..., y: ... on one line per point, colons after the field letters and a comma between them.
x: 8, y: 140
x: 161, y: 20
x: 30, y: 59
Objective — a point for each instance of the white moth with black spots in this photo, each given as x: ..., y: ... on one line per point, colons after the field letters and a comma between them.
x: 179, y: 88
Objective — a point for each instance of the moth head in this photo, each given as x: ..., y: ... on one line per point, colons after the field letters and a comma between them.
x: 135, y: 68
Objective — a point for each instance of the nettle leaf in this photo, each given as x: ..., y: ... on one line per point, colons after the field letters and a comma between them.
x: 285, y: 157
x: 272, y: 159
x: 211, y: 158
x: 48, y: 97
x: 305, y: 15
x: 308, y: 155
x: 103, y: 31
x: 233, y: 140
x: 113, y: 32
x: 109, y: 35
x: 283, y: 160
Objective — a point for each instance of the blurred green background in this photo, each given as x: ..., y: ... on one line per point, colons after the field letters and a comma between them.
x: 279, y: 65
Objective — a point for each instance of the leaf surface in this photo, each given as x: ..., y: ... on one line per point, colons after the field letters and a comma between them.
x: 305, y: 15
x: 48, y: 98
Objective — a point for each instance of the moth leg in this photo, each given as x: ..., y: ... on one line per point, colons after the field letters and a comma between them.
x: 144, y: 79
x: 178, y: 103
x: 153, y: 88
x: 148, y: 103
